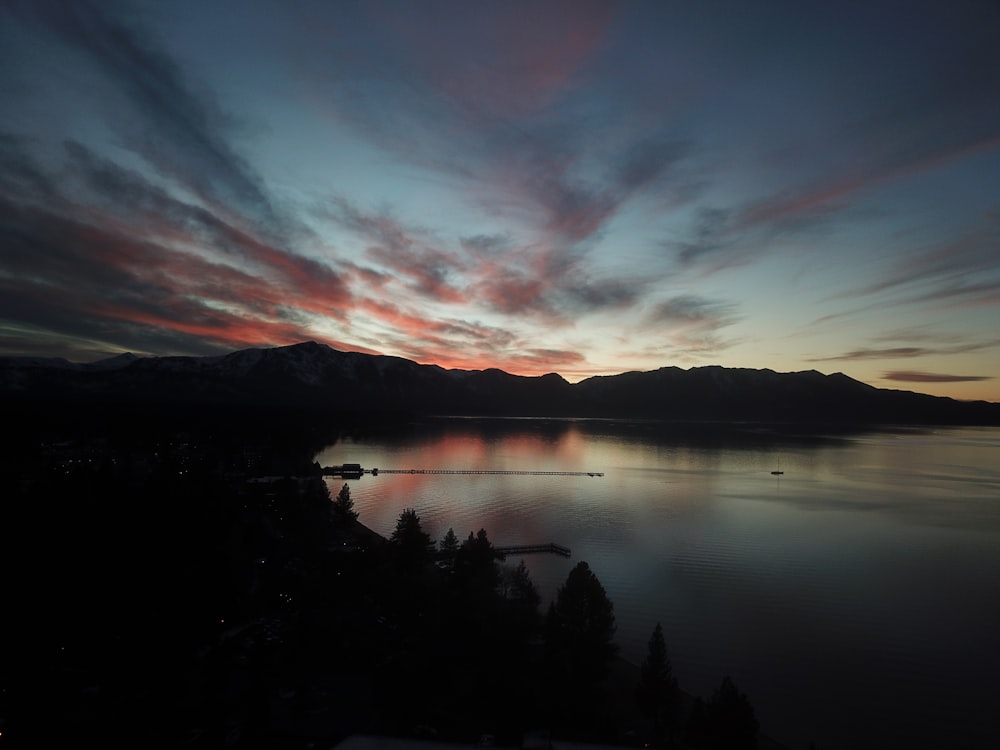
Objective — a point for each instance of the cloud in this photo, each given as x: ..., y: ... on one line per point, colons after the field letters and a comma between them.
x: 405, y: 252
x: 692, y: 323
x: 916, y: 333
x: 498, y: 108
x: 906, y: 352
x: 587, y: 295
x: 515, y: 58
x: 20, y: 176
x: 486, y: 246
x: 549, y: 284
x: 444, y: 87
x: 940, y: 111
x: 689, y: 310
x: 542, y: 361
x: 708, y: 236
x: 151, y: 212
x: 183, y: 134
x: 954, y: 268
x: 76, y: 280
x: 913, y: 376
x: 461, y: 344
x: 524, y: 361
x: 454, y: 92
x: 958, y: 273
x: 561, y: 140
x: 513, y: 291
x: 888, y: 353
x: 544, y: 279
x: 103, y: 255
x: 569, y: 184
x: 563, y: 214
x: 412, y: 329
x: 136, y: 251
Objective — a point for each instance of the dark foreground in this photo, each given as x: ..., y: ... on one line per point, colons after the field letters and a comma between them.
x: 199, y: 588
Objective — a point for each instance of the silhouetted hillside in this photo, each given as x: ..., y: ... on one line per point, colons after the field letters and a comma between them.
x: 315, y: 376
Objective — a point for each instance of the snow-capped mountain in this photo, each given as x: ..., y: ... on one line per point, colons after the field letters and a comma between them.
x: 314, y: 375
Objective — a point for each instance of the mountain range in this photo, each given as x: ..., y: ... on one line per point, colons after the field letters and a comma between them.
x: 315, y: 376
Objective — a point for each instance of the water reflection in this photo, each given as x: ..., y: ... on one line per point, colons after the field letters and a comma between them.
x: 844, y: 596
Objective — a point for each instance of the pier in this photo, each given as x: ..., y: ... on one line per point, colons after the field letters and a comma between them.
x: 516, y: 549
x: 508, y: 472
x: 354, y: 471
x: 530, y: 549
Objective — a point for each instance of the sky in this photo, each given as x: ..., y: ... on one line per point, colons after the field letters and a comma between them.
x: 576, y: 187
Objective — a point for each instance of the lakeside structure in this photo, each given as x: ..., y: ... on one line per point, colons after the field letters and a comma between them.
x: 355, y: 471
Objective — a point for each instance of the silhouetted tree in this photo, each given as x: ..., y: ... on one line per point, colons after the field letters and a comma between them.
x: 580, y: 626
x: 343, y: 506
x: 516, y: 585
x: 657, y: 690
x: 412, y: 545
x: 521, y: 598
x: 698, y: 731
x: 579, y: 647
x: 470, y: 592
x: 731, y: 719
x: 476, y: 571
x: 448, y: 547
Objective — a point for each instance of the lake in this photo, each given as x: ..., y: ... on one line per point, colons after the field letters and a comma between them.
x: 855, y: 598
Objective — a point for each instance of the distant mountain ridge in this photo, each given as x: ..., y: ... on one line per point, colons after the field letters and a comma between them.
x: 315, y: 375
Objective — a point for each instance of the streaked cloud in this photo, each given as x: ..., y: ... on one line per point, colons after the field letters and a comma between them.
x: 180, y: 133
x: 692, y: 323
x: 405, y: 252
x: 585, y: 186
x: 904, y: 352
x: 912, y: 376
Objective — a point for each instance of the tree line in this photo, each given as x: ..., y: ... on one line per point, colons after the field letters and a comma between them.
x: 176, y: 595
x: 556, y: 670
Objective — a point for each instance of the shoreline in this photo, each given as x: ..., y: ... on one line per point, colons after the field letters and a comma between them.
x: 622, y: 679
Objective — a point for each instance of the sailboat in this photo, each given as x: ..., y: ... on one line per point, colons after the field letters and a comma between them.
x: 778, y: 470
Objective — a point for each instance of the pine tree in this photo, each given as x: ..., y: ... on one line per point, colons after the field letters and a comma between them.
x: 657, y: 690
x: 521, y: 598
x: 731, y: 718
x: 579, y: 649
x: 448, y: 545
x: 697, y: 731
x: 580, y: 626
x: 412, y: 544
x: 516, y: 585
x: 343, y: 505
x: 476, y: 567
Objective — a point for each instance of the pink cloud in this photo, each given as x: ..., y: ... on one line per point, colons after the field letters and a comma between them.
x: 528, y: 362
x: 406, y: 252
x: 211, y: 325
x: 515, y: 57
x: 830, y: 194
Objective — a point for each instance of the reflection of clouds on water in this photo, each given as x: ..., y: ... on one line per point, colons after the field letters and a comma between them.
x: 851, y: 580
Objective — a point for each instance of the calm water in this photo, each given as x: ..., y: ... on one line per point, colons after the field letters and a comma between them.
x: 855, y: 598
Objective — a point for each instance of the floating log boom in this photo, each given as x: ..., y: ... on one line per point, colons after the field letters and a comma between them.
x: 354, y: 471
x: 530, y: 549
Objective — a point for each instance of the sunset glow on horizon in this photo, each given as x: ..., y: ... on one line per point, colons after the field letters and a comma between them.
x: 585, y: 188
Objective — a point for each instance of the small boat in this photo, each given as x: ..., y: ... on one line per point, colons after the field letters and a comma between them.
x: 777, y: 472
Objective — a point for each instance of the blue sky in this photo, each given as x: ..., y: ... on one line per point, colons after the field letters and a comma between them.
x: 581, y: 188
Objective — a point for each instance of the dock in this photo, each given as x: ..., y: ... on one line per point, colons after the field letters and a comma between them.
x: 354, y: 471
x: 531, y: 549
x: 507, y: 472
x: 516, y: 549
